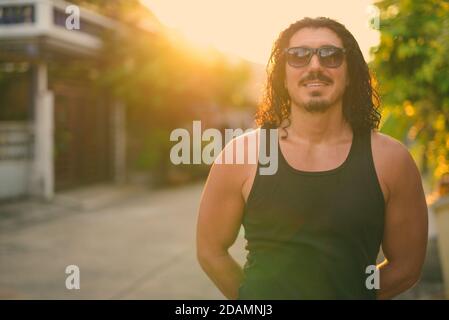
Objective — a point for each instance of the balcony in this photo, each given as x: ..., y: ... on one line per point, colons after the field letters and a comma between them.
x: 36, y: 29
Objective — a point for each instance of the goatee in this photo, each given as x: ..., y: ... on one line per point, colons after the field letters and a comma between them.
x: 317, y: 105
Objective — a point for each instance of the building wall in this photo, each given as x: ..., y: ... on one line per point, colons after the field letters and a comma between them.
x: 15, y: 154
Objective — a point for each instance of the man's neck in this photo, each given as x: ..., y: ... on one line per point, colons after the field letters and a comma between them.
x: 318, y: 127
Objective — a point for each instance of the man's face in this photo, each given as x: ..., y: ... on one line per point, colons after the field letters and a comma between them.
x: 315, y: 87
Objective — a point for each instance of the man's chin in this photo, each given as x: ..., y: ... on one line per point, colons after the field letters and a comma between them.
x: 316, y: 105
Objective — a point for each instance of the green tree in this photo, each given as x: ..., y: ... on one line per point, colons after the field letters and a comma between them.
x: 412, y: 66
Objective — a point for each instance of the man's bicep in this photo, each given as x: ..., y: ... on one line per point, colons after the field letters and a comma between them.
x: 221, y: 209
x: 405, y: 231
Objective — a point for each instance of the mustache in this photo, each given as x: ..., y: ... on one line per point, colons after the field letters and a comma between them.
x: 315, y: 76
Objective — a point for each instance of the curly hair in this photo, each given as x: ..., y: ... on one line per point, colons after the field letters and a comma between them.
x: 360, y: 101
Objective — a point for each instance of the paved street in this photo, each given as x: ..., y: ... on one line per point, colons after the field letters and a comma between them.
x: 129, y: 243
x: 140, y: 248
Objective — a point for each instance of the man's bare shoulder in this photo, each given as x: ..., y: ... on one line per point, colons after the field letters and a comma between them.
x: 239, y: 150
x: 392, y: 159
x: 389, y: 148
x: 238, y: 158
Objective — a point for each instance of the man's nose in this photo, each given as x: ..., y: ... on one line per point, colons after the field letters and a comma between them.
x: 314, y: 63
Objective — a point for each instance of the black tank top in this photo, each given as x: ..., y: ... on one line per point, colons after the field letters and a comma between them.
x: 312, y: 234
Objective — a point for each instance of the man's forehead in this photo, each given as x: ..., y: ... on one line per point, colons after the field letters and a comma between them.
x: 315, y: 37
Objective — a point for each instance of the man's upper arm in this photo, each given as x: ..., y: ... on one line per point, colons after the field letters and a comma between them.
x: 405, y: 231
x: 221, y: 208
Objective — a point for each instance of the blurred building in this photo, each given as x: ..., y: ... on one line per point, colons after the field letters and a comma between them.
x: 56, y: 132
x: 58, y: 129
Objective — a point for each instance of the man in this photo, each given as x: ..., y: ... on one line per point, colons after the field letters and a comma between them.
x: 342, y: 190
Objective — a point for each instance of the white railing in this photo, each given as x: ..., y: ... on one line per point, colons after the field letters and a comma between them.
x: 15, y: 158
x: 16, y: 140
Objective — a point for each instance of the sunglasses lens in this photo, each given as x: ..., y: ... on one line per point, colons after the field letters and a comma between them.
x: 298, y: 57
x: 331, y: 57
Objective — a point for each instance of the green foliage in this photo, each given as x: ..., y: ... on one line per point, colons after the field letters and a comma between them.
x: 412, y: 66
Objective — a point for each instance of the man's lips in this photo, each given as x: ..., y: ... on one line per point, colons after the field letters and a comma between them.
x: 315, y: 84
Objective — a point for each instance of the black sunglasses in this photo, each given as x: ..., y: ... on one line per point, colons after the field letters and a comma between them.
x: 329, y: 56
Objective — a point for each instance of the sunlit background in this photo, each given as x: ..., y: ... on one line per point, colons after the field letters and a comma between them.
x: 248, y: 28
x: 86, y: 117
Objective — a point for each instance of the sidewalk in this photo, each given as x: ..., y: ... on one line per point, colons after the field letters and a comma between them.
x: 30, y: 211
x: 140, y: 248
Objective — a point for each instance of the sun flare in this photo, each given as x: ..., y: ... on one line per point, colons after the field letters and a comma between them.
x: 248, y: 28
